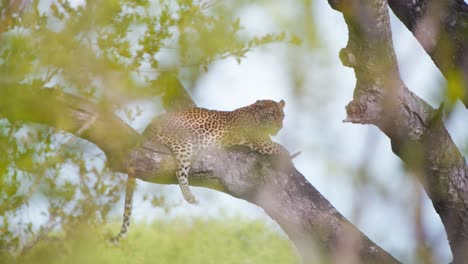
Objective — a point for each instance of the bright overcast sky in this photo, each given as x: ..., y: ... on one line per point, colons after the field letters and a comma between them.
x: 228, y: 85
x: 262, y: 75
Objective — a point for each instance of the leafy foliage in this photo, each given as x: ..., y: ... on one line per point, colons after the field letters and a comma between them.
x: 105, y: 51
x: 176, y: 241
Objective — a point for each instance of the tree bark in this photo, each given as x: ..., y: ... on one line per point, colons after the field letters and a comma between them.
x: 442, y: 29
x: 317, y: 229
x: 415, y: 129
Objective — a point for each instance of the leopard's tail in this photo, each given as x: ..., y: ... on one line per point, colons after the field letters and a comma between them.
x: 127, y: 210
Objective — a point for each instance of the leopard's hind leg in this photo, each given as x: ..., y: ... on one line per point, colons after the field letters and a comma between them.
x: 183, y: 155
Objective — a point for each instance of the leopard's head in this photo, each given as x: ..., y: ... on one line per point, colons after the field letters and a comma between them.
x: 268, y: 116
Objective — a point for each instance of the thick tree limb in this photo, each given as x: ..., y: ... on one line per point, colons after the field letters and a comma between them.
x: 310, y: 221
x: 442, y: 29
x: 416, y: 131
x: 70, y: 113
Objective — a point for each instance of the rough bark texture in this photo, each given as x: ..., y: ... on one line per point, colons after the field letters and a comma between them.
x: 415, y: 129
x: 442, y: 29
x: 310, y: 221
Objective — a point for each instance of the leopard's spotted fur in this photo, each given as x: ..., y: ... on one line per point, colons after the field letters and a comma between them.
x: 189, y: 131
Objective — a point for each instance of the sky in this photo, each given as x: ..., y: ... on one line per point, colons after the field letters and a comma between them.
x: 325, y: 162
x: 331, y: 150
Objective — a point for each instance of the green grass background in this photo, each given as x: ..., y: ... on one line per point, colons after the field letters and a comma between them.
x: 175, y: 241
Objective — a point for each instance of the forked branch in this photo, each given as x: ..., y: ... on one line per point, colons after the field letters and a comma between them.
x: 416, y: 131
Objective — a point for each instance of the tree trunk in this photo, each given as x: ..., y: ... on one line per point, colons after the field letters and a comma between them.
x: 415, y: 129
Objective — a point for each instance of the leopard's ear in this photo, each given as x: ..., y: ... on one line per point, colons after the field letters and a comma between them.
x: 260, y: 102
x: 282, y: 103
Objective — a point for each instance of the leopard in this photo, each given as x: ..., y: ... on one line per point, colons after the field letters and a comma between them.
x: 190, y: 131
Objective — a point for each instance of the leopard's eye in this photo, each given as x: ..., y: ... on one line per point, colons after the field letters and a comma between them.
x: 270, y: 116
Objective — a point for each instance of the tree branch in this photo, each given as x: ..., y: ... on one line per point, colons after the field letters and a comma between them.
x: 310, y: 221
x: 442, y: 29
x: 416, y: 131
